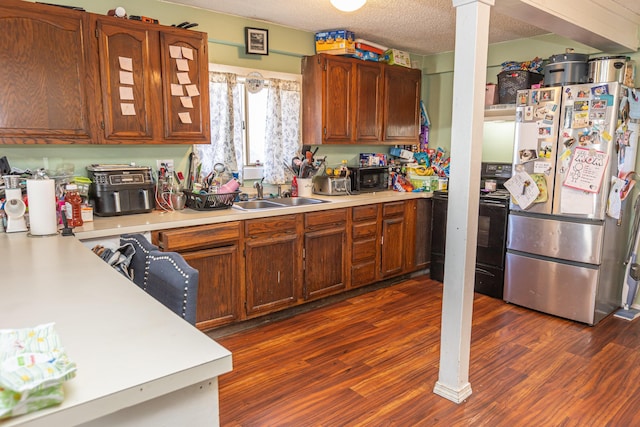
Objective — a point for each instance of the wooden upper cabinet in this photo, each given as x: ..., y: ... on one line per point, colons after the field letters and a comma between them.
x: 368, y: 105
x: 128, y: 90
x: 402, y: 104
x: 350, y: 101
x: 77, y: 77
x: 46, y: 80
x: 185, y: 69
x: 337, y: 116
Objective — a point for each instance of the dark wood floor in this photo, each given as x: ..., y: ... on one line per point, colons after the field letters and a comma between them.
x: 372, y: 360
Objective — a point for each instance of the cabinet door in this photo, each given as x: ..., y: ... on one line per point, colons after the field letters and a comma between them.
x: 393, y: 239
x: 271, y: 273
x: 185, y: 86
x: 368, y: 102
x: 129, y: 95
x: 337, y: 98
x: 45, y: 75
x: 324, y: 262
x: 422, y: 232
x: 402, y: 104
x: 417, y: 234
x: 218, y: 285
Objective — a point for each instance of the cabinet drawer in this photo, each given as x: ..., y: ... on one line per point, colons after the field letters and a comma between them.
x: 273, y: 226
x: 202, y: 236
x: 363, y: 250
x: 330, y: 217
x: 393, y: 209
x: 366, y: 229
x: 365, y: 212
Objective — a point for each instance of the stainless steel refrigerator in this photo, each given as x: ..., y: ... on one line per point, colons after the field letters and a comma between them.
x: 565, y: 252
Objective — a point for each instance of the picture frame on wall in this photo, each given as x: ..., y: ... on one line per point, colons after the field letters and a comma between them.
x: 256, y: 41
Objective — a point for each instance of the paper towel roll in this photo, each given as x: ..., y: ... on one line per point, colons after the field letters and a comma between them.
x: 41, y: 194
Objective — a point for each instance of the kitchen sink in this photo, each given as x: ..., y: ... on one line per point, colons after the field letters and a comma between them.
x: 281, y: 202
x: 298, y: 201
x: 257, y: 204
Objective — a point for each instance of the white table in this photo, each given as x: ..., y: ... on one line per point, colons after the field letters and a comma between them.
x: 137, y: 362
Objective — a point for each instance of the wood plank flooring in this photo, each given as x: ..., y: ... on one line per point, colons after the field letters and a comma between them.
x: 372, y: 360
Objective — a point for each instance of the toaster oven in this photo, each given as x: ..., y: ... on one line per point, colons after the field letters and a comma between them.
x: 369, y: 179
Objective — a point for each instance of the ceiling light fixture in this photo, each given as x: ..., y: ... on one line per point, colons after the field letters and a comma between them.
x: 348, y: 5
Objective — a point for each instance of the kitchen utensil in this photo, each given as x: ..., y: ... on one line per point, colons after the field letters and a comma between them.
x: 190, y: 172
x: 178, y: 200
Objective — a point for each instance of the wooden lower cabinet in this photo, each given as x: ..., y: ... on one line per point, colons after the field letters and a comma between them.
x: 254, y: 267
x: 392, y: 239
x: 325, y: 262
x: 214, y: 250
x: 273, y: 264
x: 365, y: 249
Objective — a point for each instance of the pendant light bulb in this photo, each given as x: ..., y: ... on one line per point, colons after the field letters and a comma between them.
x: 348, y: 5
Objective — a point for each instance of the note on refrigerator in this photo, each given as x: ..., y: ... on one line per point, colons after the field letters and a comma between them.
x: 523, y: 188
x: 575, y: 202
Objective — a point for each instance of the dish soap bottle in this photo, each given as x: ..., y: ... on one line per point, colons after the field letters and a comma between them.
x: 294, y: 186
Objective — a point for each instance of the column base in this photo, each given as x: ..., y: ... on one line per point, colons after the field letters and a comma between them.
x: 456, y: 396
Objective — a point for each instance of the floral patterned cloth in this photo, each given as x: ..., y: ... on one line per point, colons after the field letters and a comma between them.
x: 226, y: 125
x: 283, y: 139
x: 283, y: 128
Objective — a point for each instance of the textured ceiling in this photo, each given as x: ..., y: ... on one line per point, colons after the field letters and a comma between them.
x: 418, y: 26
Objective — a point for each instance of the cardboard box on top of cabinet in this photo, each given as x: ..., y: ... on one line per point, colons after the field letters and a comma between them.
x: 336, y: 40
x: 366, y: 55
x: 397, y: 57
x: 491, y: 94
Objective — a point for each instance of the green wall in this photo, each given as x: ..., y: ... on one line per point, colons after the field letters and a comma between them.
x: 287, y: 46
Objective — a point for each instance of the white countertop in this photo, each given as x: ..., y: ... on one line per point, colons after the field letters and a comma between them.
x: 128, y: 347
x: 158, y: 220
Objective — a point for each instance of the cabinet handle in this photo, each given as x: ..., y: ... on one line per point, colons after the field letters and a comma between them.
x: 278, y: 276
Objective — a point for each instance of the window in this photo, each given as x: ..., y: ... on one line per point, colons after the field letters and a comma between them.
x: 255, y: 120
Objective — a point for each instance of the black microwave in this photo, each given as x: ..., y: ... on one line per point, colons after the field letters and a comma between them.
x: 369, y: 179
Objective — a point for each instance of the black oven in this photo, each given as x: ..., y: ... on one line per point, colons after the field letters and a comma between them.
x: 369, y: 179
x: 493, y: 216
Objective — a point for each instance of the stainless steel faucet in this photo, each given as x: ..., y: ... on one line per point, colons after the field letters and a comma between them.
x: 260, y: 189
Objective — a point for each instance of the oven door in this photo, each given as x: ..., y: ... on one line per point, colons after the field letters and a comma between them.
x: 492, y: 233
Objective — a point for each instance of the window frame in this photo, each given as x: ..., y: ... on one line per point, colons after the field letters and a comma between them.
x: 242, y: 73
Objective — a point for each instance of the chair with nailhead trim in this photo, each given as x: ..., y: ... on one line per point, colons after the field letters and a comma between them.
x: 139, y: 266
x: 174, y: 283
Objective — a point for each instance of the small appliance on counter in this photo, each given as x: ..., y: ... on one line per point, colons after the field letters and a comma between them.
x: 369, y: 179
x: 14, y: 207
x: 121, y: 189
x: 331, y: 185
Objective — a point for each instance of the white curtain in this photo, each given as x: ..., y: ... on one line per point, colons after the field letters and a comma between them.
x: 226, y: 125
x: 282, y: 134
x: 282, y: 128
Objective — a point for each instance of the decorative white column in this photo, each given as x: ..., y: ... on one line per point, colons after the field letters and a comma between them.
x: 470, y: 69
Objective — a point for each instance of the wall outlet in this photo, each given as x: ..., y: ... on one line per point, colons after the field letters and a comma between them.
x: 167, y: 164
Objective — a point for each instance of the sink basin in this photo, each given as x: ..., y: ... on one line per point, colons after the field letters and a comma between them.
x: 281, y: 202
x: 298, y: 201
x: 257, y: 204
